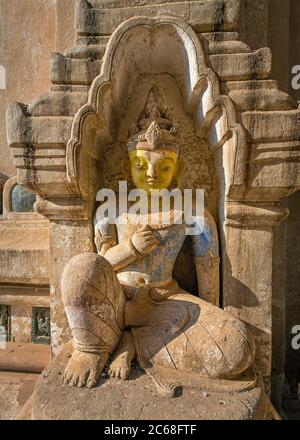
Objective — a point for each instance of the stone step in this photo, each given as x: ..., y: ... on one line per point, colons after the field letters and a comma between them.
x: 43, y: 130
x: 226, y: 47
x: 66, y: 70
x: 276, y: 126
x: 262, y: 100
x: 243, y: 66
x: 92, y: 52
x: 58, y: 103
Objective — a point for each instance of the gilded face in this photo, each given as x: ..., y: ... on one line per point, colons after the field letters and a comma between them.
x: 153, y: 169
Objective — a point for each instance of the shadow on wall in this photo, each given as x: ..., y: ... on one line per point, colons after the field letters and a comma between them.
x: 293, y: 289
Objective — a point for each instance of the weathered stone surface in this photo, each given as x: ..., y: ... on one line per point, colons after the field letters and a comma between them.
x: 246, y: 295
x: 230, y: 67
x: 66, y: 70
x: 136, y: 399
x: 23, y: 129
x: 15, y: 390
x: 25, y: 48
x: 26, y: 296
x: 24, y: 357
x: 228, y: 47
x: 58, y: 104
x: 262, y: 100
x: 24, y: 252
x: 273, y: 126
x: 92, y: 52
x: 203, y: 16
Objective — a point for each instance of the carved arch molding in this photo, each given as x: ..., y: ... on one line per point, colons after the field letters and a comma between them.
x: 167, y: 53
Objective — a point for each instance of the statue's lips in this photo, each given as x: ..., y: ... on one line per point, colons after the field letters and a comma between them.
x: 153, y: 182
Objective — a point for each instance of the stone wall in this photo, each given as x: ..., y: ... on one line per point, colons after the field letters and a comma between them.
x: 31, y: 30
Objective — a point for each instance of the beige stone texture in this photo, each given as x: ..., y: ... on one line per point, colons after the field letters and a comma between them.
x: 15, y: 390
x: 30, y: 31
x: 25, y: 357
x: 21, y: 324
x: 25, y: 49
x: 106, y: 402
x: 24, y: 252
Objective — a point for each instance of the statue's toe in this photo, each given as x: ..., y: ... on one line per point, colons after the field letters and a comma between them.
x: 81, y: 383
x: 67, y: 376
x: 91, y: 383
x: 124, y: 373
x: 74, y: 380
x: 93, y: 378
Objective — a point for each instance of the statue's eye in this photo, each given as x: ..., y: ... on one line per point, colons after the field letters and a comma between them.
x: 165, y: 168
x: 139, y: 166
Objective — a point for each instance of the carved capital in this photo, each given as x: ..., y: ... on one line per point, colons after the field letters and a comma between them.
x: 62, y: 209
x: 255, y: 215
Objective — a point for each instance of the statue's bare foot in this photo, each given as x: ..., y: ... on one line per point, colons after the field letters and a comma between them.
x: 84, y: 369
x: 120, y: 366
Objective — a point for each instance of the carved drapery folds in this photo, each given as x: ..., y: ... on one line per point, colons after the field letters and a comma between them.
x: 67, y: 143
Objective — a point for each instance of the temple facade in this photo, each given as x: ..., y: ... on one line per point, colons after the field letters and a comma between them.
x: 228, y: 70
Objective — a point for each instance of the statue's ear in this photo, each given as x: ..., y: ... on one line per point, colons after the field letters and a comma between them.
x: 125, y: 166
x: 180, y: 166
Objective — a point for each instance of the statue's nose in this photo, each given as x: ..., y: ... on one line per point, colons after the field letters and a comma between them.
x: 151, y: 172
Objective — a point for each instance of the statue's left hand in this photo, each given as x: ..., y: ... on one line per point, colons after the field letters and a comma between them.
x: 103, y: 243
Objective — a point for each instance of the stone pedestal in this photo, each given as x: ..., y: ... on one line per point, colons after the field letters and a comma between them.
x: 137, y: 399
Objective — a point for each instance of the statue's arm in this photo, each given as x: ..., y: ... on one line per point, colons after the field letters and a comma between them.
x: 205, y: 249
x: 119, y: 255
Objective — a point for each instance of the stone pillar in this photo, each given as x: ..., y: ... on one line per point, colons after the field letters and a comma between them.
x: 248, y: 281
x: 279, y: 41
x: 70, y: 235
x: 292, y: 291
x: 279, y: 312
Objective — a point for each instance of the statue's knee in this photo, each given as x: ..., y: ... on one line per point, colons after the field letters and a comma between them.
x: 240, y: 350
x: 83, y: 274
x: 229, y: 349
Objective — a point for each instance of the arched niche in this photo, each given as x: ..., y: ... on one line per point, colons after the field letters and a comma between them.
x: 164, y: 52
x: 140, y: 50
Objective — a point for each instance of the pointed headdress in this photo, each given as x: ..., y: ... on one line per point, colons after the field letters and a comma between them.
x: 153, y: 130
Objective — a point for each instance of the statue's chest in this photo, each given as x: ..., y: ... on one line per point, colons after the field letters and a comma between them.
x: 170, y: 235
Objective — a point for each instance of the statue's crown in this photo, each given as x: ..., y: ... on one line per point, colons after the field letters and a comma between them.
x: 153, y: 129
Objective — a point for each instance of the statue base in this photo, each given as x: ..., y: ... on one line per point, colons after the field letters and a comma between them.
x: 138, y: 399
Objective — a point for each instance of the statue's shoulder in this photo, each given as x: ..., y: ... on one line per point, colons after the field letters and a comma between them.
x: 204, y: 234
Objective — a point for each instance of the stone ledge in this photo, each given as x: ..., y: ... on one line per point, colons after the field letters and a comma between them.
x: 58, y: 104
x: 24, y: 357
x: 204, y: 17
x: 243, y: 66
x: 136, y: 399
x: 271, y: 126
x: 262, y: 100
x: 66, y: 70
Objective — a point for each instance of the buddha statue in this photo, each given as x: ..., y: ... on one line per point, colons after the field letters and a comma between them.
x: 123, y: 303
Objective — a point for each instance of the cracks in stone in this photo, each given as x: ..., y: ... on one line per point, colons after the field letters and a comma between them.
x: 219, y: 21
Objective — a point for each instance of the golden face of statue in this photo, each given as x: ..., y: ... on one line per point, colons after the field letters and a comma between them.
x: 153, y: 170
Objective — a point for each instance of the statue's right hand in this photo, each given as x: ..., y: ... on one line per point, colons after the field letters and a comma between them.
x: 144, y: 240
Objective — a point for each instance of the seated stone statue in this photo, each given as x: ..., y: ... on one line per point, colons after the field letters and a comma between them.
x: 124, y: 303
